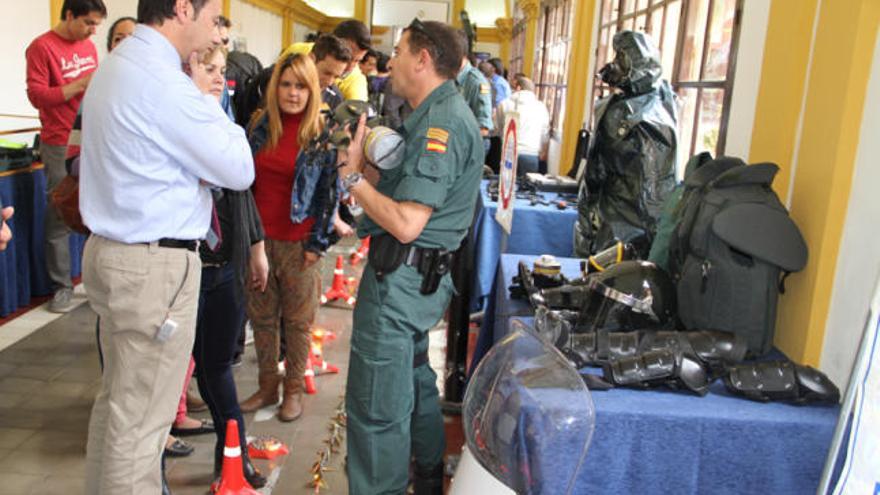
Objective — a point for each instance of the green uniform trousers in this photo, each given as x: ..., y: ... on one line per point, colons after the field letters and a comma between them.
x: 393, y: 409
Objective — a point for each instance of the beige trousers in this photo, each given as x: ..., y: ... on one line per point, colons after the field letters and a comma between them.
x: 134, y: 288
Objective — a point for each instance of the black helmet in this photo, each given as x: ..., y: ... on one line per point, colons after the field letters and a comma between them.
x: 631, y: 295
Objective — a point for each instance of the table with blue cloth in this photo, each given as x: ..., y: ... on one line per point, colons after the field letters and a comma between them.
x: 537, y: 229
x: 23, y: 263
x: 662, y: 441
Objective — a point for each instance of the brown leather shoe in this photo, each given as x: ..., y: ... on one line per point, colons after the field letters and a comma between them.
x: 267, y: 395
x: 292, y: 405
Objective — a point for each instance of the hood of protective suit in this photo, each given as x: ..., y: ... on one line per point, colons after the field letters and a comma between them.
x: 636, y: 66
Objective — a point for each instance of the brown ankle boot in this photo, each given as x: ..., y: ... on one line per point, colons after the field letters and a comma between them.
x: 267, y: 395
x: 292, y: 406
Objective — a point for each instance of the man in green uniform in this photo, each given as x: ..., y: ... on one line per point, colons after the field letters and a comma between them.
x: 476, y: 90
x: 417, y: 213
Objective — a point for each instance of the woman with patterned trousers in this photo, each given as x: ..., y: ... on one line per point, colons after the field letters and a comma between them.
x: 295, y: 192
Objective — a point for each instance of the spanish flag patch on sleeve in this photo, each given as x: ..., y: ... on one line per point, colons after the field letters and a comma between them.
x: 484, y: 89
x: 435, y: 146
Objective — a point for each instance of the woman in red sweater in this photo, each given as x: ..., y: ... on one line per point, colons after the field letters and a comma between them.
x: 295, y: 196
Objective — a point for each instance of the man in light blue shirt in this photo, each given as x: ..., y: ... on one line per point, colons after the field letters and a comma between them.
x: 152, y: 145
x: 494, y: 72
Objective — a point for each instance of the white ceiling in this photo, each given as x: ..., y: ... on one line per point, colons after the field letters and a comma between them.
x: 333, y: 8
x: 482, y: 12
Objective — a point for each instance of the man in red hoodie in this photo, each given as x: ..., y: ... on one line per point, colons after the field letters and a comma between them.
x: 60, y: 64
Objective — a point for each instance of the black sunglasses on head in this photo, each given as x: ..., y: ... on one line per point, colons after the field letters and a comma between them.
x: 419, y: 26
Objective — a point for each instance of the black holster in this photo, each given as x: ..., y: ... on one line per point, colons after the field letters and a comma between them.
x: 432, y: 264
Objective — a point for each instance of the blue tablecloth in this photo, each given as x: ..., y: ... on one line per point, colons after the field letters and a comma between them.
x: 23, y: 264
x: 661, y: 441
x: 537, y: 229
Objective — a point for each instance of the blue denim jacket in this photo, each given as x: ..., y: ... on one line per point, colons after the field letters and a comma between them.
x: 314, y: 189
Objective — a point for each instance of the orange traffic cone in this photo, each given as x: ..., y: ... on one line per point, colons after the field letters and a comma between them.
x: 319, y: 365
x: 323, y: 335
x: 232, y: 480
x: 337, y: 290
x: 362, y: 251
x: 309, y: 376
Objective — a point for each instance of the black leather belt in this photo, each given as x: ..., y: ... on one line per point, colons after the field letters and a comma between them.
x: 179, y: 244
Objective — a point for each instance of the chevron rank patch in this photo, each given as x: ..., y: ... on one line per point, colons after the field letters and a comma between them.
x: 484, y: 89
x: 438, y: 134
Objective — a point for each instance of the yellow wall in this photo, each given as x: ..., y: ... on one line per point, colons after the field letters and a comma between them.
x: 579, y: 60
x: 457, y: 7
x: 54, y: 11
x: 360, y: 11
x: 531, y: 34
x: 780, y: 96
x: 836, y: 88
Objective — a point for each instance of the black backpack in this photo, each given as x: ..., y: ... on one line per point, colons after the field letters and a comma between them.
x: 249, y: 96
x: 731, y: 248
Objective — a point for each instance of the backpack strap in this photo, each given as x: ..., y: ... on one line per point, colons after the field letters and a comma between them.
x: 781, y: 287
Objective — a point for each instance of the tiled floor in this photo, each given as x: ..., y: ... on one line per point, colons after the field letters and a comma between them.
x: 48, y: 381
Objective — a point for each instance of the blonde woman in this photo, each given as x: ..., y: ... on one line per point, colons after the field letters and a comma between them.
x: 225, y: 259
x: 295, y: 195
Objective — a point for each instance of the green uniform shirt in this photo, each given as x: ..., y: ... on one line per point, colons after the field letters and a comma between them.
x: 441, y: 168
x: 477, y: 93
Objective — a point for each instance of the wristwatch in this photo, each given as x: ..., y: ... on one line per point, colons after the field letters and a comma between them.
x: 350, y: 180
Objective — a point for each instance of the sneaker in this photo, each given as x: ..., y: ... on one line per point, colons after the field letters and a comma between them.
x: 62, y: 302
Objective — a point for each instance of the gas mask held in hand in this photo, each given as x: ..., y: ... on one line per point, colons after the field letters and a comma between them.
x: 383, y: 147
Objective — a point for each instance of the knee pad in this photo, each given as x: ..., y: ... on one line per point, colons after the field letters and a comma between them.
x: 597, y: 348
x: 715, y: 349
x: 662, y: 367
x: 781, y: 381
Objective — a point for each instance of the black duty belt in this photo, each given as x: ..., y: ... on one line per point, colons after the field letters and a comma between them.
x: 420, y: 359
x: 414, y: 255
x: 387, y: 254
x: 178, y: 244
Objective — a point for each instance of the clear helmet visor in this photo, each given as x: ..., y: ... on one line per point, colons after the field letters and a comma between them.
x: 524, y: 403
